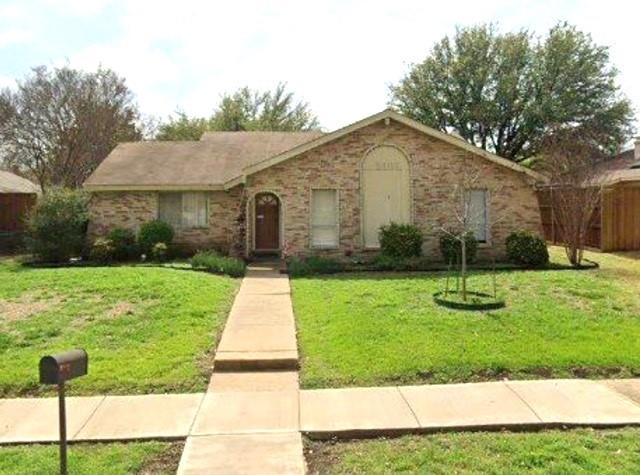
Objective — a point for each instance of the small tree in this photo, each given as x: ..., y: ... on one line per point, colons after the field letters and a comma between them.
x: 463, y: 216
x: 570, y: 159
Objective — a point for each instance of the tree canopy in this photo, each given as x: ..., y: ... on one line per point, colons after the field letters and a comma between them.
x: 59, y: 124
x: 503, y: 92
x: 245, y: 109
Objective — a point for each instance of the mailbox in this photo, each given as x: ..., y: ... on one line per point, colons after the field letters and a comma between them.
x: 59, y: 368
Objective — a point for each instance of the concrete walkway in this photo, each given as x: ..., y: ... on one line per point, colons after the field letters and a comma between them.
x: 266, y: 404
x: 249, y: 421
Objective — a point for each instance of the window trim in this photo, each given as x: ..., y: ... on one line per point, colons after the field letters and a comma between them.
x: 337, y: 224
x: 181, y: 226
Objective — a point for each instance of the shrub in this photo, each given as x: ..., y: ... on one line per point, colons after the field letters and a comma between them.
x: 451, y: 248
x: 153, y: 232
x: 102, y: 250
x: 527, y: 249
x: 124, y: 244
x: 313, y: 265
x: 400, y: 240
x: 57, y: 225
x: 160, y: 251
x: 399, y: 264
x: 212, y: 262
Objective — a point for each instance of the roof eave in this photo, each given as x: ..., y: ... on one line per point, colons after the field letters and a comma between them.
x: 160, y: 187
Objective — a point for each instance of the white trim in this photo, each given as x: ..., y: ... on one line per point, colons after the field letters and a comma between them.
x: 337, y: 206
x: 384, y: 115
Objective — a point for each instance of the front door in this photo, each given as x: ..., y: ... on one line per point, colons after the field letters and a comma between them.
x: 267, y: 222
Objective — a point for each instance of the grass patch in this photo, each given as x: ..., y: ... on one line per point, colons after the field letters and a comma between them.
x: 93, y: 459
x: 373, y: 328
x: 146, y: 329
x: 552, y: 452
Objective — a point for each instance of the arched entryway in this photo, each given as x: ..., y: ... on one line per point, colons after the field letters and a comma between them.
x: 267, y: 223
x: 386, y: 191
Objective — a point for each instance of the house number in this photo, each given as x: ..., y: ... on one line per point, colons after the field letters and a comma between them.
x: 382, y: 166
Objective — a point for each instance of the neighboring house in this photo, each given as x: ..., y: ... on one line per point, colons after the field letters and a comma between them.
x: 615, y: 225
x: 311, y: 193
x: 17, y: 196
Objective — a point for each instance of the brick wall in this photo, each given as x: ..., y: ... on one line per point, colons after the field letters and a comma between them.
x: 108, y: 210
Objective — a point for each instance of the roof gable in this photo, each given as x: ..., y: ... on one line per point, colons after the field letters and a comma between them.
x: 389, y: 114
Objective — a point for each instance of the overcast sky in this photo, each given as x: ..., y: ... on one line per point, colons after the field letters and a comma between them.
x: 340, y: 56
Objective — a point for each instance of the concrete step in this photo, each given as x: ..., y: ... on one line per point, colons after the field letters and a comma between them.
x: 256, y: 360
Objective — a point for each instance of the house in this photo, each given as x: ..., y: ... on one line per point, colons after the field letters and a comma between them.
x: 311, y: 193
x: 615, y: 225
x: 17, y: 197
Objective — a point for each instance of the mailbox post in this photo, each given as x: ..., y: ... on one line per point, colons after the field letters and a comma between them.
x: 58, y: 369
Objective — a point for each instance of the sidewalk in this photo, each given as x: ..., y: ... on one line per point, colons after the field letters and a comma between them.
x: 246, y: 404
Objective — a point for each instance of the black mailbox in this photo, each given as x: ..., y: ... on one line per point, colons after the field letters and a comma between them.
x: 59, y: 368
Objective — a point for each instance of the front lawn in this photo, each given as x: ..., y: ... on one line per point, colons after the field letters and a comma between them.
x: 151, y: 458
x: 573, y: 452
x: 146, y: 329
x: 374, y: 328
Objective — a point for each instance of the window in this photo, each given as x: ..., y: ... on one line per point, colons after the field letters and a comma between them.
x: 184, y: 210
x: 478, y: 214
x: 324, y: 218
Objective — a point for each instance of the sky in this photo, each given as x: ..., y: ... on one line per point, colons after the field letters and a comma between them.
x: 339, y: 56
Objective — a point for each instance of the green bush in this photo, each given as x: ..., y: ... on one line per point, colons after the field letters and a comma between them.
x: 400, y: 264
x: 57, y: 225
x: 313, y: 265
x: 212, y: 262
x: 124, y: 244
x: 160, y: 252
x: 527, y: 249
x: 400, y: 240
x: 102, y: 251
x: 153, y: 232
x: 451, y: 248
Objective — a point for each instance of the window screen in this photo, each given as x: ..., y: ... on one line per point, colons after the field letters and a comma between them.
x: 478, y: 214
x: 324, y: 218
x: 183, y: 210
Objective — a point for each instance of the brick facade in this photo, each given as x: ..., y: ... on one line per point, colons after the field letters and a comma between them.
x: 108, y: 210
x: 435, y: 168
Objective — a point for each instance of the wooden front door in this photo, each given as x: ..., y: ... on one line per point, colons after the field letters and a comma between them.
x: 267, y: 222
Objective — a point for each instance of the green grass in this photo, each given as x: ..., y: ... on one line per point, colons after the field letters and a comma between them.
x: 85, y: 459
x: 553, y: 452
x: 146, y: 329
x: 376, y: 328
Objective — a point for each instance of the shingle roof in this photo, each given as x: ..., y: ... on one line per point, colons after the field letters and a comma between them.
x: 12, y: 183
x: 618, y: 169
x: 210, y: 162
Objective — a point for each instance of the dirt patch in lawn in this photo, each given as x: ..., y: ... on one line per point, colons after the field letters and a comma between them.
x: 166, y: 462
x: 121, y: 308
x: 25, y: 306
x: 320, y: 456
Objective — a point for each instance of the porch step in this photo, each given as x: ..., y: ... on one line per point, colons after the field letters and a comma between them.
x: 256, y: 360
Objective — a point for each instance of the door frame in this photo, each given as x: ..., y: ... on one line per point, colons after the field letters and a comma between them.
x: 252, y: 206
x: 363, y: 159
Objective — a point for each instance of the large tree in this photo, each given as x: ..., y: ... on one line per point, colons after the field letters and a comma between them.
x: 505, y: 91
x: 59, y: 124
x: 244, y: 109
